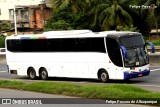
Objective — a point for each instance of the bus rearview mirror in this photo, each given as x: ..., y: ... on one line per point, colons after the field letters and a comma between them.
x: 124, y: 51
x: 152, y: 46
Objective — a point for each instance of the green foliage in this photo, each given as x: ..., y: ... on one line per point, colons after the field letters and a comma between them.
x: 127, y: 28
x: 111, y: 14
x: 75, y: 5
x: 9, y: 33
x: 65, y: 19
x: 4, y: 27
x: 156, y: 42
x: 58, y: 25
x: 2, y: 41
x: 151, y: 16
x: 98, y: 15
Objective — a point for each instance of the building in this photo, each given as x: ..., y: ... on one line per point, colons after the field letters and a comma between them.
x: 6, y: 5
x: 33, y: 16
x: 29, y: 13
x: 154, y: 35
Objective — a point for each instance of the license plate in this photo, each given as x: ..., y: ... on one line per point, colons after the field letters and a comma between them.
x: 139, y: 75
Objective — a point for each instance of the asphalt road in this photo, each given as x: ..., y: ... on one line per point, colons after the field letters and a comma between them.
x: 151, y: 82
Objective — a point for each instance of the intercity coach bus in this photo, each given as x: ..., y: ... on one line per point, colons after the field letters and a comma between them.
x: 79, y: 54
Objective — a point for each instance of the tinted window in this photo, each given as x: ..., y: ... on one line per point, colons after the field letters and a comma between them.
x: 14, y: 45
x: 57, y: 45
x: 82, y: 45
x: 97, y: 45
x: 34, y: 45
x: 54, y: 45
x: 68, y: 45
x: 132, y: 41
x: 114, y: 51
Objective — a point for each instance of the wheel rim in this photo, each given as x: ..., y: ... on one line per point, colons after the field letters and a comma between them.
x: 32, y: 74
x: 103, y: 76
x: 43, y: 74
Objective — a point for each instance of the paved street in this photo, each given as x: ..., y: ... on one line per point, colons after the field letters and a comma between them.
x: 151, y: 82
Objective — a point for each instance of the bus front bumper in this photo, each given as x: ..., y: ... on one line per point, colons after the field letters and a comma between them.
x: 128, y: 75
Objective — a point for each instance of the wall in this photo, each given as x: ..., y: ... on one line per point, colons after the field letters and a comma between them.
x: 39, y: 15
x: 5, y: 5
x: 155, y: 59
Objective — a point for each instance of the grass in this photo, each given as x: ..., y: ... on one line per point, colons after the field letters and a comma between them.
x: 85, y: 91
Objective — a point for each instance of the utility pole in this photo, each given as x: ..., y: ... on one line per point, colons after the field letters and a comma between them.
x: 15, y: 19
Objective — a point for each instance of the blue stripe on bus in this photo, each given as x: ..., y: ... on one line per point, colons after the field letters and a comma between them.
x: 136, y: 74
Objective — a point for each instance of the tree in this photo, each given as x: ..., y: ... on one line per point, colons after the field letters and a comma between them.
x: 2, y: 41
x: 89, y: 9
x: 64, y: 19
x: 153, y: 11
x: 127, y: 28
x: 140, y: 20
x: 76, y: 5
x: 111, y: 14
x: 58, y: 25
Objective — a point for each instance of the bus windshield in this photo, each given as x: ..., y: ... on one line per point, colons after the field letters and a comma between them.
x: 137, y: 56
x: 132, y: 41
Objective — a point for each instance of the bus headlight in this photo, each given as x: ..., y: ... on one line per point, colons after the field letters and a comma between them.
x: 128, y: 71
x: 131, y: 71
x: 147, y: 69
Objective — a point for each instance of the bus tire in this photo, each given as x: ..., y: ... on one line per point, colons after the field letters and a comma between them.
x: 103, y: 76
x: 43, y: 74
x: 32, y: 73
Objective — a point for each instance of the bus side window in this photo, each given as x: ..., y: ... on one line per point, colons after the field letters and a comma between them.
x: 9, y: 45
x: 34, y: 45
x: 82, y: 45
x: 114, y: 51
x: 90, y: 45
x: 54, y: 45
x: 68, y: 45
x: 97, y: 45
x: 14, y: 45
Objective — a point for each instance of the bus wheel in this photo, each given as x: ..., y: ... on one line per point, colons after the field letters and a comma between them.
x: 43, y: 74
x: 32, y: 73
x: 103, y: 76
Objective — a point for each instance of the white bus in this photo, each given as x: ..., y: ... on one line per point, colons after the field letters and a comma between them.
x: 78, y: 54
